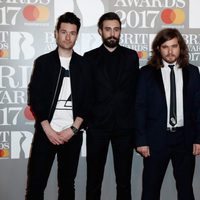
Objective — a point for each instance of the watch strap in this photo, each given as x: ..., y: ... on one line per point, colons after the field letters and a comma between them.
x: 74, y: 129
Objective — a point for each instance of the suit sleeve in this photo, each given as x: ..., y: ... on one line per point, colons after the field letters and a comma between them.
x: 140, y: 111
x: 197, y: 109
x: 89, y: 94
x: 36, y: 91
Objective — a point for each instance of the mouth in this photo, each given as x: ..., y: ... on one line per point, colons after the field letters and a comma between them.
x: 170, y: 55
x: 112, y: 38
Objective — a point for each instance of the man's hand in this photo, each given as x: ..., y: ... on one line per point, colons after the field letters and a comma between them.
x: 196, y: 149
x: 144, y: 151
x: 52, y: 135
x: 66, y: 134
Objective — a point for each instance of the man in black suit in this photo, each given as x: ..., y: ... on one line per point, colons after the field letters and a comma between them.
x: 56, y: 97
x: 167, y: 114
x: 114, y: 71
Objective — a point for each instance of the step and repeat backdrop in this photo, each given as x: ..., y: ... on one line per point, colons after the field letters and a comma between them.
x: 27, y: 31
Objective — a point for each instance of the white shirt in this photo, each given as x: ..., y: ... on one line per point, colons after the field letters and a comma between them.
x: 63, y: 115
x: 179, y: 91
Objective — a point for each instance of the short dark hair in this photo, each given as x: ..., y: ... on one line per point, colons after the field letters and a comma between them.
x: 68, y: 17
x: 163, y: 36
x: 108, y: 16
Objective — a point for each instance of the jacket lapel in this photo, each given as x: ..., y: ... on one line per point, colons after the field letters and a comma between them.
x: 159, y: 79
x: 185, y: 82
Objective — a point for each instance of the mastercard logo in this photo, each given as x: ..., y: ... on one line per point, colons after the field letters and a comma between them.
x: 28, y: 114
x: 3, y: 53
x: 4, y: 153
x: 173, y: 16
x: 142, y: 54
x: 36, y: 13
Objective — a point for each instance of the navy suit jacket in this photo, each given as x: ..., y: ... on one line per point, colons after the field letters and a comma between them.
x: 151, y: 108
x: 112, y: 105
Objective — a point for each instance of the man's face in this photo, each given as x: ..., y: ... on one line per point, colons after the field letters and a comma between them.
x: 170, y: 50
x: 66, y: 36
x: 110, y: 33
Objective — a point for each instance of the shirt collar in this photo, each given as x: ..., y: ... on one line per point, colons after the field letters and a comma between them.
x: 166, y: 65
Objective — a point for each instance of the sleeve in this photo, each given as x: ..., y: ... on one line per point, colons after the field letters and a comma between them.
x: 36, y: 92
x: 140, y: 111
x: 197, y: 108
x: 88, y: 87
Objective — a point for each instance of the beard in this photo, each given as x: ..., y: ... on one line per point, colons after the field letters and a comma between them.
x: 111, y: 42
x: 170, y: 58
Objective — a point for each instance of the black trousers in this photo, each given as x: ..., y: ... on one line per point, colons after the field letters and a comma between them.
x: 40, y: 163
x: 155, y: 167
x: 97, y: 149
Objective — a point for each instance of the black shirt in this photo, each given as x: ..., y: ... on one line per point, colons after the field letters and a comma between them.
x: 111, y: 62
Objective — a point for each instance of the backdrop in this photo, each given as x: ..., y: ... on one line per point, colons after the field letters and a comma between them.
x: 26, y: 31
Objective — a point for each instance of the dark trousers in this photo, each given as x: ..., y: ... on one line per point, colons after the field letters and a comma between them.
x: 97, y: 149
x: 155, y: 167
x: 41, y: 161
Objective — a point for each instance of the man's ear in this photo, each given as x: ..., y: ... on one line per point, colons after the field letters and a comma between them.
x: 55, y: 33
x: 100, y: 31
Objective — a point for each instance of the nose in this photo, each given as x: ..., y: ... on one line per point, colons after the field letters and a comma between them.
x: 112, y: 32
x: 170, y: 50
x: 67, y: 36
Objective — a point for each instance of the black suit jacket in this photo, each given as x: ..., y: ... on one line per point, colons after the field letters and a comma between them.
x: 151, y: 108
x: 46, y: 81
x: 112, y: 105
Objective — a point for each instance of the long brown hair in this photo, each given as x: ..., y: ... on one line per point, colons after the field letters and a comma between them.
x: 163, y: 36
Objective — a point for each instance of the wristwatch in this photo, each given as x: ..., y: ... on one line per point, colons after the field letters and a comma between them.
x: 74, y: 130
